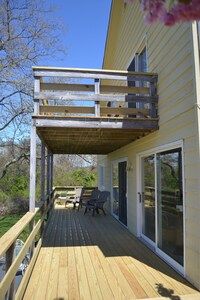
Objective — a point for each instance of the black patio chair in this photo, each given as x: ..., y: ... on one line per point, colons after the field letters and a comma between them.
x: 98, y: 204
x: 88, y: 194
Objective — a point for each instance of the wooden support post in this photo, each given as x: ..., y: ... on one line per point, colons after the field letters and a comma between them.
x: 97, y: 103
x: 9, y: 259
x: 42, y: 170
x: 32, y: 247
x: 51, y: 177
x: 32, y: 168
x: 48, y: 176
x: 48, y: 171
x: 51, y: 184
x: 36, y: 90
x: 153, y: 113
x: 42, y: 183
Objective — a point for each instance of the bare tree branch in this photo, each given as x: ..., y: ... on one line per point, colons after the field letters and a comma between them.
x: 11, y: 120
x: 10, y: 163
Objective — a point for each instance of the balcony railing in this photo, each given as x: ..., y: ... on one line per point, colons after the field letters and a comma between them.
x: 99, y: 93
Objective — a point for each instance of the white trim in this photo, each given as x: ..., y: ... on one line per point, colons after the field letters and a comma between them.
x: 156, y: 150
x: 184, y: 210
x: 117, y: 161
x: 101, y: 176
x: 142, y: 44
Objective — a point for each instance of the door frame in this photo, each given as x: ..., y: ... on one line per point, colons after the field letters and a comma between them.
x: 154, y: 246
x: 117, y: 161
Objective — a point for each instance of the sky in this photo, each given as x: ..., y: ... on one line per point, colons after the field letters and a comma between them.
x: 85, y: 24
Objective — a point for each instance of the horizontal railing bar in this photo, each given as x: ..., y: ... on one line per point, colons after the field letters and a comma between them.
x: 9, y: 276
x: 22, y: 287
x: 66, y: 109
x: 93, y: 71
x: 83, y: 97
x: 116, y: 76
x: 67, y: 87
x: 124, y: 111
x: 11, y: 273
x: 90, y: 110
x: 141, y: 99
x: 90, y: 88
x: 11, y: 235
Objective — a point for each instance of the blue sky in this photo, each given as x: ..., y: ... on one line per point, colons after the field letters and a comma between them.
x: 85, y: 25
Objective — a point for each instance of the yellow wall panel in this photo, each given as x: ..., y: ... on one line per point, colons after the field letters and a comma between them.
x: 170, y: 54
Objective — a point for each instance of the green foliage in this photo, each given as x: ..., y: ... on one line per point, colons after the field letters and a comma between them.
x: 15, y: 185
x: 83, y: 177
x: 3, y: 197
x: 6, y: 222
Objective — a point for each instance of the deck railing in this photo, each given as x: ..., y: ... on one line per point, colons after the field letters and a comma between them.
x: 35, y: 220
x: 99, y: 93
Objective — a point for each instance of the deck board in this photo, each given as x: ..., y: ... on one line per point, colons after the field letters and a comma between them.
x: 85, y: 257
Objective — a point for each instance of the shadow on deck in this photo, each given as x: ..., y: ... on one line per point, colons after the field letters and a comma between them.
x: 85, y: 257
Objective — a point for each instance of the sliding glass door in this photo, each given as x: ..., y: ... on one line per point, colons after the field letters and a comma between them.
x: 148, y: 197
x: 170, y: 203
x: 119, y: 191
x: 162, y: 202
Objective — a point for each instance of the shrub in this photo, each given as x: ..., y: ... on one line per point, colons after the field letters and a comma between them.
x: 17, y: 205
x: 3, y: 197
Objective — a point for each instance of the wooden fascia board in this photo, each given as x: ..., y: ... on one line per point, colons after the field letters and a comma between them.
x: 140, y: 123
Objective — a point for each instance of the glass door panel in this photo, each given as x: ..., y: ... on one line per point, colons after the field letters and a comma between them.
x: 170, y: 203
x: 148, y: 197
x: 115, y: 193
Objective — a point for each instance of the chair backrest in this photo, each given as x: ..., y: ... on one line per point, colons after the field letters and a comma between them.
x: 95, y: 194
x: 78, y: 193
x: 103, y: 197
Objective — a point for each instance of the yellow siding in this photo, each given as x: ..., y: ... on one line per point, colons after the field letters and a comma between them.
x: 170, y: 54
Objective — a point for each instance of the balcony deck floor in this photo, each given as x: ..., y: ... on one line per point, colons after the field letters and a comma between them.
x: 85, y: 257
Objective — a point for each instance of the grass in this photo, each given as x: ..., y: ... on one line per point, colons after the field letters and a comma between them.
x: 6, y: 222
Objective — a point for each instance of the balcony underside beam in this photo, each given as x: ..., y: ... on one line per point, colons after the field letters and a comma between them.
x: 69, y: 136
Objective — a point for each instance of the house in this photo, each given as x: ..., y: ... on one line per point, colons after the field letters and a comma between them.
x: 154, y: 180
x: 143, y: 123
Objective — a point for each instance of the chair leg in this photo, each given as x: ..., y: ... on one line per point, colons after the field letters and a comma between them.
x: 80, y: 204
x: 93, y: 211
x: 104, y: 211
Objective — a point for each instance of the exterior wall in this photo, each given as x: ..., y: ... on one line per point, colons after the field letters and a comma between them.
x: 170, y: 54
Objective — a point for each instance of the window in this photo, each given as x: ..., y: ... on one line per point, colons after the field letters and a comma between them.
x: 138, y: 64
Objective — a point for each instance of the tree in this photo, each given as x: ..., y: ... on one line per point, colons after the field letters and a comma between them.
x: 27, y: 36
x: 84, y: 177
x: 74, y: 169
x: 170, y: 12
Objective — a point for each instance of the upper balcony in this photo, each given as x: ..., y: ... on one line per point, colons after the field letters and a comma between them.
x: 90, y: 111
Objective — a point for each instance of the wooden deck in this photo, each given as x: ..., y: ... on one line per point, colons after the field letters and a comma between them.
x: 85, y: 257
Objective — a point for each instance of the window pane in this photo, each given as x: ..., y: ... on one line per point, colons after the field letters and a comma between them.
x: 148, y: 197
x: 142, y: 61
x: 115, y: 199
x: 170, y: 204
